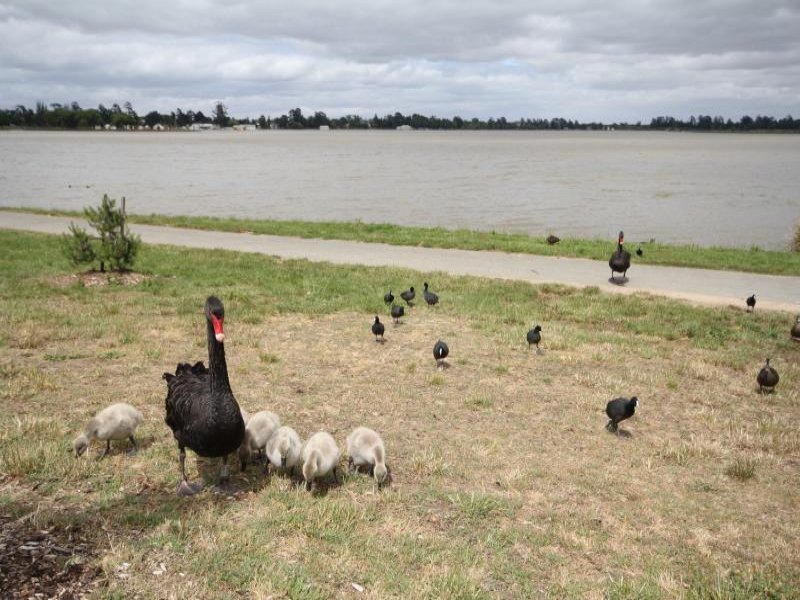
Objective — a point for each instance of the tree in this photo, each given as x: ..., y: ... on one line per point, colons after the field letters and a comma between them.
x: 220, y: 115
x: 114, y: 244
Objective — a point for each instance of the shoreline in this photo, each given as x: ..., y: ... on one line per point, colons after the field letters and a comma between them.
x: 753, y: 260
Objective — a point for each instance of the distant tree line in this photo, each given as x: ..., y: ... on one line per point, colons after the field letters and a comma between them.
x: 709, y: 123
x: 72, y: 116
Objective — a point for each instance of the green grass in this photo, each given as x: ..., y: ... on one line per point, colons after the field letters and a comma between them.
x: 505, y: 483
x: 743, y: 468
x: 752, y: 260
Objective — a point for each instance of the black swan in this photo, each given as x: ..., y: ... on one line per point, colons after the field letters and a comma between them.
x: 397, y: 312
x: 388, y: 297
x: 430, y: 298
x: 618, y: 410
x: 378, y: 329
x: 440, y: 352
x: 796, y: 330
x: 620, y: 260
x: 751, y: 303
x: 534, y: 337
x: 201, y: 409
x: 767, y: 378
x: 408, y: 296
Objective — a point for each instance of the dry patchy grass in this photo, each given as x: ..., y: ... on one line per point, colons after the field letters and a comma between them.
x: 505, y: 482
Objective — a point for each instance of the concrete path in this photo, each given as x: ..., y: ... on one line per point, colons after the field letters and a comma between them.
x: 703, y: 286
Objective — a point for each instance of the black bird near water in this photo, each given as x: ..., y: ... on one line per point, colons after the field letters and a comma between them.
x: 378, y: 329
x: 408, y: 296
x: 534, y: 337
x: 200, y: 407
x: 767, y: 378
x: 388, y: 297
x: 440, y: 352
x: 751, y: 303
x: 620, y: 260
x: 618, y: 410
x: 430, y: 298
x: 397, y: 312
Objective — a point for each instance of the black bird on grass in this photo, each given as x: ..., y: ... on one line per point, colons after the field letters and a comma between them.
x: 552, y: 239
x: 440, y: 352
x: 201, y: 409
x: 620, y: 260
x: 408, y: 296
x: 397, y: 312
x: 751, y: 303
x: 430, y: 297
x: 388, y: 297
x: 639, y: 251
x: 618, y: 410
x: 378, y: 329
x: 767, y: 378
x: 795, y: 332
x: 534, y: 337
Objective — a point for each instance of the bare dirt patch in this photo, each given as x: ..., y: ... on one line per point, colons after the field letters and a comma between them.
x: 54, y: 562
x: 98, y: 279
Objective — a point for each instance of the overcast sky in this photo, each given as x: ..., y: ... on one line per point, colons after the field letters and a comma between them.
x: 608, y: 60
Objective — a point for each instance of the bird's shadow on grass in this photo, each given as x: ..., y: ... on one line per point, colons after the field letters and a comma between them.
x: 618, y: 280
x: 623, y: 433
x: 251, y: 480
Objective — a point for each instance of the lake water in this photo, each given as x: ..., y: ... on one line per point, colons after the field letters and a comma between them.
x: 723, y: 189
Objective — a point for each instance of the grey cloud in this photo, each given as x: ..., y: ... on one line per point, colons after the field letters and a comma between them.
x: 612, y: 61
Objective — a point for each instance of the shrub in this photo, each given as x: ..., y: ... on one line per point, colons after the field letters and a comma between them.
x: 114, y: 244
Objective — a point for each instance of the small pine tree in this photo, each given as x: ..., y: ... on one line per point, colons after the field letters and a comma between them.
x: 78, y: 246
x: 115, y: 245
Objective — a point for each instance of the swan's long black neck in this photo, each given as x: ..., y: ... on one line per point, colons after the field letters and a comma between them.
x: 216, y: 364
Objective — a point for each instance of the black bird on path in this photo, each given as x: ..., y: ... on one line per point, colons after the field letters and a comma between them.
x: 200, y: 407
x: 378, y: 329
x: 440, y: 352
x: 397, y: 312
x: 618, y: 410
x: 751, y: 303
x: 620, y: 260
x: 430, y: 297
x: 534, y: 337
x: 388, y: 297
x: 408, y: 296
x: 767, y: 378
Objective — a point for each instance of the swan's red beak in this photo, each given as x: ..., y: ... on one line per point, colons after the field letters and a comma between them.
x: 218, y: 333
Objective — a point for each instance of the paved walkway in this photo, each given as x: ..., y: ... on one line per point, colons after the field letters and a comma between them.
x: 773, y: 292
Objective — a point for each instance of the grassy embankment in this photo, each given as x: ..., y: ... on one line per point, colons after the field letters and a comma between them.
x: 730, y: 259
x: 505, y: 482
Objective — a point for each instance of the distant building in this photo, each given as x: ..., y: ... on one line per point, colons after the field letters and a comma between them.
x: 404, y: 128
x: 201, y: 127
x: 158, y: 127
x: 244, y: 127
x: 324, y: 128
